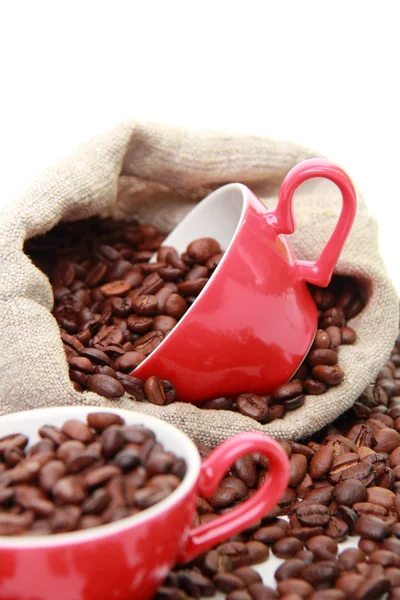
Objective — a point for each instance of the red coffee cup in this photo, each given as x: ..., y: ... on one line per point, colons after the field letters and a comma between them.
x: 130, y: 558
x: 254, y: 322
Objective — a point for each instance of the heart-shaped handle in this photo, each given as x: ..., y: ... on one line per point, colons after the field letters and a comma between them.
x: 213, y: 470
x: 317, y: 272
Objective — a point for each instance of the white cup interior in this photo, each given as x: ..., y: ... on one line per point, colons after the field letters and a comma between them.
x: 217, y: 216
x: 174, y: 440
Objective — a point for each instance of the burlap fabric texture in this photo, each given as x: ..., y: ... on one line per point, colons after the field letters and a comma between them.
x: 157, y: 173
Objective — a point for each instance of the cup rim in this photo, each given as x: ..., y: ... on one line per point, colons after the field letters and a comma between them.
x: 245, y: 191
x: 186, y: 449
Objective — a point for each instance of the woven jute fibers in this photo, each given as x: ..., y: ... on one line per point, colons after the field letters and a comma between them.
x: 157, y: 173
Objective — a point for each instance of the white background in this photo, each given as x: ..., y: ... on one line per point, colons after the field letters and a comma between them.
x: 325, y: 74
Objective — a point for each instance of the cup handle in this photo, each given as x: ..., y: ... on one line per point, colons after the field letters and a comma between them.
x: 317, y: 272
x: 213, y: 470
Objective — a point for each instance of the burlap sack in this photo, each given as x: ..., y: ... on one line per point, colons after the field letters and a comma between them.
x: 157, y: 173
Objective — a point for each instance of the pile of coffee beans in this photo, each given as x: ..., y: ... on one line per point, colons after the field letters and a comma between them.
x: 345, y: 481
x: 114, y: 308
x: 82, y: 475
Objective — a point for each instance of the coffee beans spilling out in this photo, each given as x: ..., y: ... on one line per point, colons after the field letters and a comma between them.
x: 344, y: 481
x: 114, y: 308
x: 82, y: 475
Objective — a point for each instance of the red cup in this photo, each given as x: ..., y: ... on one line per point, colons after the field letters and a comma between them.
x: 130, y: 558
x: 254, y: 322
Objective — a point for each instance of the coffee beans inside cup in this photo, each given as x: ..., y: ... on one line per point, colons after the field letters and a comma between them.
x: 114, y: 308
x: 82, y: 475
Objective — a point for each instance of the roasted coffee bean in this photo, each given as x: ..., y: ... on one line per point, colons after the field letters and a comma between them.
x: 112, y: 441
x: 322, y: 356
x: 312, y: 514
x: 128, y: 361
x: 65, y: 519
x: 101, y: 420
x: 269, y: 534
x: 80, y: 363
x: 52, y: 433
x: 291, y: 568
x: 77, y: 430
x: 237, y: 552
x: 96, y: 503
x: 385, y: 440
x: 96, y: 275
x: 330, y: 375
x: 223, y: 497
x: 386, y: 558
x: 321, y: 461
x: 321, y: 495
x: 286, y: 547
x: 293, y: 403
x: 372, y: 528
x: 348, y: 335
x: 96, y: 356
x: 350, y: 557
x: 341, y: 464
x: 132, y: 385
x: 139, y: 324
x: 228, y: 582
x: 175, y: 306
x: 154, y: 391
x: 246, y: 470
x: 148, y: 342
x: 392, y: 544
x: 314, y: 387
x: 105, y: 386
x: 287, y: 390
x: 349, y: 492
x: 145, y: 305
x: 322, y: 547
x: 298, y: 468
x: 203, y: 249
x: 115, y: 288
x: 322, y: 340
x: 248, y: 575
x: 367, y: 546
x: 192, y: 287
x: 337, y: 529
x: 68, y: 490
x: 108, y: 336
x: 322, y: 573
x: 164, y: 323
x: 253, y: 406
x: 258, y: 552
x: 381, y: 496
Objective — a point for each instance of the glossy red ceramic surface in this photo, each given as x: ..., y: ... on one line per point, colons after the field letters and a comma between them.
x: 254, y: 322
x: 128, y: 560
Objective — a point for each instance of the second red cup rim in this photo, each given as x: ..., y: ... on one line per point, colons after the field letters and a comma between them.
x: 42, y: 415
